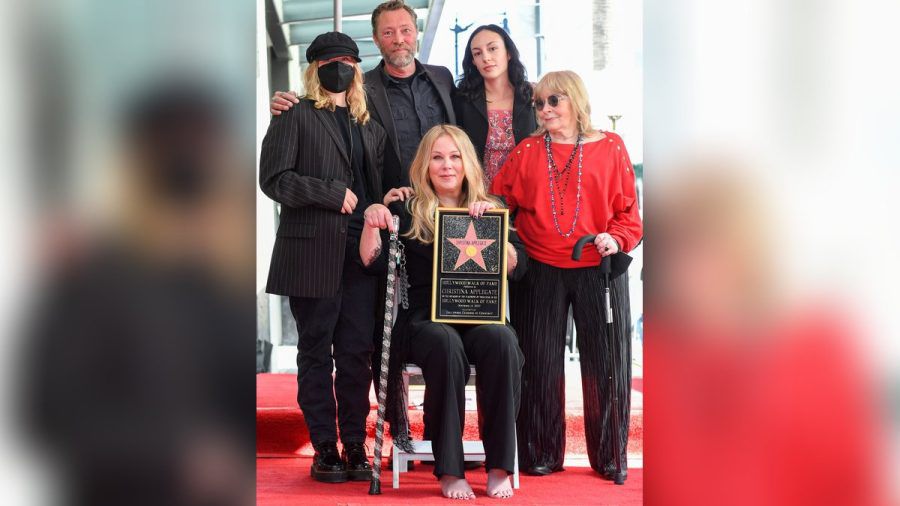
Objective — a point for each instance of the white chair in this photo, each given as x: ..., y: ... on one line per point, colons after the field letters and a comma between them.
x: 473, y: 451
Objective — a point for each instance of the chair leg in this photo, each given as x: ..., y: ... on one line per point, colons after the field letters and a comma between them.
x: 516, y: 466
x: 399, y: 462
x: 396, y: 471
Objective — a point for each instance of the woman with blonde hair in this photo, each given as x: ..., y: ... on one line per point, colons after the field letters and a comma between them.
x: 445, y: 173
x: 322, y: 162
x: 567, y: 181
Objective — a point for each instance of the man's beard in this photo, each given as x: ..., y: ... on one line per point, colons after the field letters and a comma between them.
x: 399, y: 60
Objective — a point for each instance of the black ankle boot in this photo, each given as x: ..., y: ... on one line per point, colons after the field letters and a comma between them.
x: 356, y: 462
x: 609, y: 473
x: 538, y: 470
x: 327, y: 465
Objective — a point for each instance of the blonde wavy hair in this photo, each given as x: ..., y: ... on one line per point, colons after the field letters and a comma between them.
x: 356, y: 93
x: 567, y: 83
x: 423, y: 204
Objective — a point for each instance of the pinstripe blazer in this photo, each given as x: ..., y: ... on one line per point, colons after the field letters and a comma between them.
x: 304, y: 166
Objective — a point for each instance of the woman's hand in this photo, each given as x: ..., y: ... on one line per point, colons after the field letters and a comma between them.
x: 350, y: 201
x: 512, y: 258
x: 396, y: 194
x: 477, y: 209
x: 606, y: 245
x: 378, y: 216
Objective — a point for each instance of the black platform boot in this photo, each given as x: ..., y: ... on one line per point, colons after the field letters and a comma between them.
x: 327, y: 465
x: 356, y: 462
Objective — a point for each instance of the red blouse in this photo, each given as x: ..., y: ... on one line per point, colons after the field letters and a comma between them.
x: 608, y: 200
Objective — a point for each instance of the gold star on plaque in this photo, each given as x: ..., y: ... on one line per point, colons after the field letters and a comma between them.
x: 470, y: 247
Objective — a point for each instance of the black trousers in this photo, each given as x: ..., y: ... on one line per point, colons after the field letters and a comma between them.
x: 336, y: 333
x: 539, y: 305
x: 444, y: 353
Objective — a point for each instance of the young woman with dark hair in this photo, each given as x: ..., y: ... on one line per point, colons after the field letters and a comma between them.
x: 493, y: 100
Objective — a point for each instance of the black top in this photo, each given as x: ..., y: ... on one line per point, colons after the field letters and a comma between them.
x: 353, y: 140
x: 415, y: 107
x: 394, y: 174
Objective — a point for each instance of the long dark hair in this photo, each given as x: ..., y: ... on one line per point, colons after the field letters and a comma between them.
x: 471, y: 84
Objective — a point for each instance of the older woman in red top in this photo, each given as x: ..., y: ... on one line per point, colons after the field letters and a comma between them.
x: 566, y: 181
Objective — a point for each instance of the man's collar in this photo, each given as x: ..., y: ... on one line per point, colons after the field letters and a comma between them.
x: 420, y: 70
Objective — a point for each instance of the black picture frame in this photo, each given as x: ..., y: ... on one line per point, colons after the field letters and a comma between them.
x: 469, y: 279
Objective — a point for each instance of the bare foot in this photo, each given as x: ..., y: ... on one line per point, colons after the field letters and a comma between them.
x: 456, y: 488
x: 499, y: 485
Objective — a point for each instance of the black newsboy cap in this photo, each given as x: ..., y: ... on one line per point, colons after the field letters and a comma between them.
x: 332, y: 44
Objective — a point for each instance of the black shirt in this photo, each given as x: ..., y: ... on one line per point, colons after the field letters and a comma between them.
x: 353, y: 140
x: 416, y: 107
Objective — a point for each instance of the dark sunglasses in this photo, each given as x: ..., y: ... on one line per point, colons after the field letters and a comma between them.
x: 553, y: 100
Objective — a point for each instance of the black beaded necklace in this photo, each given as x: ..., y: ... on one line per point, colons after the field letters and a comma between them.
x: 555, y: 177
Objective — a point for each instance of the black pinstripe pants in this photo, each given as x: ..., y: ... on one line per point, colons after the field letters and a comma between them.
x: 336, y: 333
x: 539, y: 305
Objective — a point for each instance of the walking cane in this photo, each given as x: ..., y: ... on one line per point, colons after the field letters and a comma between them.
x: 393, y: 260
x: 606, y: 269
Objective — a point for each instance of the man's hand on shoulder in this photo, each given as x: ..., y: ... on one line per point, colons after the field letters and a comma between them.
x: 282, y: 101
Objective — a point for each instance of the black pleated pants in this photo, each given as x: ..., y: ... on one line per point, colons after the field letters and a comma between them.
x: 539, y: 305
x: 444, y: 353
x: 336, y: 334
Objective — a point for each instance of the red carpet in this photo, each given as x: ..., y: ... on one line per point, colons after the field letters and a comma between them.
x: 287, y: 482
x: 284, y: 457
x: 280, y: 430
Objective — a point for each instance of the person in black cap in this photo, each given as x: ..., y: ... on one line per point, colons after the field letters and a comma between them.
x: 322, y: 161
x: 406, y: 97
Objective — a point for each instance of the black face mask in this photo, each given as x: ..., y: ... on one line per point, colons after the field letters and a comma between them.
x: 336, y: 76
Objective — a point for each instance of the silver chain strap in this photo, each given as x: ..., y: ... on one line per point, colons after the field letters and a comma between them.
x: 404, y: 280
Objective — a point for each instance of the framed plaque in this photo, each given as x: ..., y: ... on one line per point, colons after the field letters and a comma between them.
x: 469, y: 283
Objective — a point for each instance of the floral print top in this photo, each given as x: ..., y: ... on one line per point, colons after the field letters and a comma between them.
x: 500, y: 142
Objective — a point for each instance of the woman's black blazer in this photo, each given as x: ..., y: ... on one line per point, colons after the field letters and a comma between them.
x: 471, y: 116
